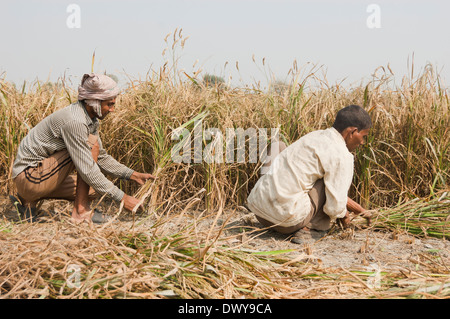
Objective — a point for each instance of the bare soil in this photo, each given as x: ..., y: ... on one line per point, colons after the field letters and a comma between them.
x: 353, y: 248
x: 356, y: 248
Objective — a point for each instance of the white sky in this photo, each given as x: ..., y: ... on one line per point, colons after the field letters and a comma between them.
x: 128, y: 37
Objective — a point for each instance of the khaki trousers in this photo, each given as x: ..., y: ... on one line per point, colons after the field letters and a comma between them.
x: 317, y: 219
x: 51, y: 178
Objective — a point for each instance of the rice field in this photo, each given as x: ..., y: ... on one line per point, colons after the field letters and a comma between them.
x: 401, y: 173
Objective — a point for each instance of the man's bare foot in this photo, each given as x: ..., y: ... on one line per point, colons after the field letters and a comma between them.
x: 80, y: 217
x: 93, y: 216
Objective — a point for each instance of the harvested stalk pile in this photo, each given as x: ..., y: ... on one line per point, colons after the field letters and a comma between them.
x: 406, y: 156
x: 419, y: 217
x: 62, y: 260
x: 160, y: 259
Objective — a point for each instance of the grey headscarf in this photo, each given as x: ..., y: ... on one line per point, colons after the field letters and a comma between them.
x: 95, y: 88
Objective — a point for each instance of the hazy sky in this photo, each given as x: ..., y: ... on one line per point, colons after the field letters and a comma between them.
x: 128, y: 38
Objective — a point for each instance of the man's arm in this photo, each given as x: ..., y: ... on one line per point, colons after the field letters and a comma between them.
x: 116, y: 169
x: 141, y: 178
x: 354, y: 207
x: 110, y: 166
x: 75, y: 135
x: 357, y: 209
x: 130, y: 203
x: 337, y: 179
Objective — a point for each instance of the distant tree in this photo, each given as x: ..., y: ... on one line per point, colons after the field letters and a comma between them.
x: 211, y: 80
x: 279, y: 87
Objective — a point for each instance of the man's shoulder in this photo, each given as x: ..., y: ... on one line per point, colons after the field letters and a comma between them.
x: 316, y: 138
x: 68, y: 119
x: 70, y: 113
x: 329, y: 136
x: 325, y: 142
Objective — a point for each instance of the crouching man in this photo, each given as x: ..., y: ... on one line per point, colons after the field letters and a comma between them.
x: 66, y: 140
x: 306, y: 186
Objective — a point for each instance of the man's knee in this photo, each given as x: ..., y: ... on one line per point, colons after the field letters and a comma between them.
x: 26, y: 196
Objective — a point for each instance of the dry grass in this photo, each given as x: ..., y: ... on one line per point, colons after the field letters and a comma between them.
x: 406, y: 157
x: 132, y: 260
x: 423, y: 218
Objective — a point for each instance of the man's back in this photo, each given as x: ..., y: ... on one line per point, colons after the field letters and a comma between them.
x: 46, y: 138
x: 281, y: 195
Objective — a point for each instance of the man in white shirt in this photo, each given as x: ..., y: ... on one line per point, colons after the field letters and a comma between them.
x: 306, y: 186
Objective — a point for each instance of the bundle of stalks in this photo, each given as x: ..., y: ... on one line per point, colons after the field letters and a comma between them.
x: 420, y: 217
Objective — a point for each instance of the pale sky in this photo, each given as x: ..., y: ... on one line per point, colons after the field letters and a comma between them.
x: 128, y: 38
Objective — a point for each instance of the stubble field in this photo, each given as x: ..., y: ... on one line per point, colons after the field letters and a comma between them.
x: 194, y: 239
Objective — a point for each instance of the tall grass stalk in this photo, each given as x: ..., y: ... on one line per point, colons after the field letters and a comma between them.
x: 406, y: 157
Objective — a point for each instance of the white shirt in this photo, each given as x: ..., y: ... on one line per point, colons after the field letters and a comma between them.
x: 281, y: 195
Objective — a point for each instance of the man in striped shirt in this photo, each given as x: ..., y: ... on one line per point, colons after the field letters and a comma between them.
x: 66, y: 140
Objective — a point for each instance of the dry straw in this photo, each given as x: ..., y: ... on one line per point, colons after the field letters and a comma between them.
x: 423, y: 218
x: 156, y: 260
x: 404, y: 165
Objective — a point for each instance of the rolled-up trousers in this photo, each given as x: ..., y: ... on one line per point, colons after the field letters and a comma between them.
x: 51, y: 178
x: 317, y: 218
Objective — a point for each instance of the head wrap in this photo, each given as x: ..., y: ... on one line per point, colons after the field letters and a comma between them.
x: 96, y: 105
x: 95, y: 88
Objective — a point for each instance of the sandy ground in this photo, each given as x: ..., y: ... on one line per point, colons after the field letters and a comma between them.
x: 353, y: 248
x: 357, y: 248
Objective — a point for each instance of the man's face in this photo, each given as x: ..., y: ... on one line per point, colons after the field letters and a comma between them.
x: 356, y: 138
x: 107, y: 106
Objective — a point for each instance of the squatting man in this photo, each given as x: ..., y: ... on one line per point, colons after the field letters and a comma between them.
x: 66, y: 140
x: 304, y: 188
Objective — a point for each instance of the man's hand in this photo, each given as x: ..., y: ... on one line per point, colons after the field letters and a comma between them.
x: 367, y: 214
x: 141, y: 178
x: 358, y: 210
x: 345, y: 221
x: 130, y: 203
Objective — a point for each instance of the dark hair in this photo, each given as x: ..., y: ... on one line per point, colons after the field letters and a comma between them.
x: 352, y: 115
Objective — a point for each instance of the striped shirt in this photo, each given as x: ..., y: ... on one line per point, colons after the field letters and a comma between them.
x: 69, y: 128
